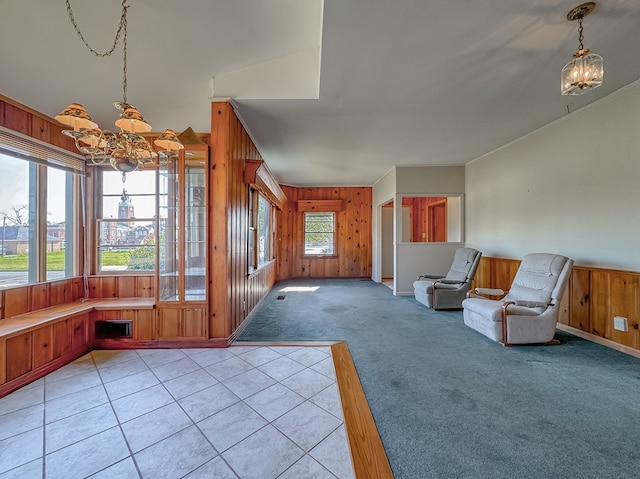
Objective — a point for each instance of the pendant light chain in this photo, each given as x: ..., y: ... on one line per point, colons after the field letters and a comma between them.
x: 122, y: 30
x: 580, y: 37
x: 125, y: 149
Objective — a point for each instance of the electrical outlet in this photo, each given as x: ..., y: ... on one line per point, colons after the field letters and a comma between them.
x: 620, y: 323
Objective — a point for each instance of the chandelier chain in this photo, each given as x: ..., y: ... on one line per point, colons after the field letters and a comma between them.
x: 580, y: 29
x: 122, y: 31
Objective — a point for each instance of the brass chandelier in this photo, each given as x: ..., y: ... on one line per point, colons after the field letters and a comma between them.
x: 585, y: 72
x: 125, y: 149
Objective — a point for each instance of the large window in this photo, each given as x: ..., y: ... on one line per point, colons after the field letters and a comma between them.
x: 126, y: 221
x: 37, y: 213
x: 319, y: 234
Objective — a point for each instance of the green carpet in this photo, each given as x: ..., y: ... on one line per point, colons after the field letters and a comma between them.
x: 450, y: 403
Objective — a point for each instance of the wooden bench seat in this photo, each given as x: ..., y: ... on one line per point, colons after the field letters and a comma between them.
x: 35, y: 343
x: 35, y: 319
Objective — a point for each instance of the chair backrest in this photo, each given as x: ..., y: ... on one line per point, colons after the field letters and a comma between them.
x: 541, y: 278
x: 465, y: 263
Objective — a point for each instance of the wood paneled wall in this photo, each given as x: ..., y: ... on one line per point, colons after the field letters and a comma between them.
x: 353, y: 235
x: 31, y: 297
x: 29, y: 122
x: 123, y: 286
x: 233, y: 293
x: 24, y: 299
x: 592, y: 299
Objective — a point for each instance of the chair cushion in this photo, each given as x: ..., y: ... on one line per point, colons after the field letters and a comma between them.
x: 536, y: 278
x: 462, y: 261
x: 423, y: 285
x: 492, y: 309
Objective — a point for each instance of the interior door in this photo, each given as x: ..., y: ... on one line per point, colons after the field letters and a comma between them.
x: 438, y: 222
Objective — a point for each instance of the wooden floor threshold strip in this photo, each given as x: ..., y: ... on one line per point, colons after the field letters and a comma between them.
x: 367, y: 452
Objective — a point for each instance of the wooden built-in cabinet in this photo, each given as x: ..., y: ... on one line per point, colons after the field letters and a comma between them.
x: 182, y: 277
x: 182, y: 323
x: 33, y: 350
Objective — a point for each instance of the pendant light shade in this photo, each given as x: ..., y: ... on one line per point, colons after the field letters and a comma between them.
x: 585, y: 71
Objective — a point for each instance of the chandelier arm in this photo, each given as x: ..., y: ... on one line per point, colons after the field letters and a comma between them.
x: 121, y: 27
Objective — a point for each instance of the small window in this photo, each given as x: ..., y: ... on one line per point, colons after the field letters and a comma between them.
x: 319, y: 234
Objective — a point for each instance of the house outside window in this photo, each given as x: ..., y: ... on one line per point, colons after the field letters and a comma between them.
x: 319, y: 233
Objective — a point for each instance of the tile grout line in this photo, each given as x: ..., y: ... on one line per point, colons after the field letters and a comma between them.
x: 306, y: 400
x: 124, y: 437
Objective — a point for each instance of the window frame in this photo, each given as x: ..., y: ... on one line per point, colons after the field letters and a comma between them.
x: 38, y: 197
x: 100, y: 220
x: 454, y: 218
x: 334, y: 234
x: 253, y: 234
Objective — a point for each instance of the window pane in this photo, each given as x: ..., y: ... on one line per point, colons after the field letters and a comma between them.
x: 127, y: 232
x: 139, y: 200
x: 17, y: 206
x: 126, y: 246
x: 59, y: 224
x: 169, y: 255
x: 319, y: 233
x: 195, y: 246
x: 264, y: 209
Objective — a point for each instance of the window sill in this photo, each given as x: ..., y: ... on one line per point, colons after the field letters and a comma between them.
x: 320, y: 256
x: 257, y: 270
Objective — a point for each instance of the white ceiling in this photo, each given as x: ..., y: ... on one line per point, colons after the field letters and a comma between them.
x: 334, y: 92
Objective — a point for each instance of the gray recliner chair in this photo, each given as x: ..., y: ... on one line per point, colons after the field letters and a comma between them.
x: 448, y: 292
x: 529, y: 312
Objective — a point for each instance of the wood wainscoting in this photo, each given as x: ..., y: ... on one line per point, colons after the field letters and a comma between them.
x: 353, y: 239
x: 593, y: 298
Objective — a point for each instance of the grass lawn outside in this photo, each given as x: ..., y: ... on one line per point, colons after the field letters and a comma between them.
x: 55, y: 260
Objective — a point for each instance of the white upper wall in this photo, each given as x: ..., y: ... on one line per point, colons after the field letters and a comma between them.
x: 431, y: 180
x: 572, y: 187
x: 413, y: 259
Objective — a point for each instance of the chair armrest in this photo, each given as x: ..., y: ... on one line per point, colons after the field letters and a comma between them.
x: 530, y: 304
x: 482, y: 292
x: 450, y: 281
x: 490, y: 291
x: 430, y: 276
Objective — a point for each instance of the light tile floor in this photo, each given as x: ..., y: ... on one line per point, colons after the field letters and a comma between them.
x: 243, y: 412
